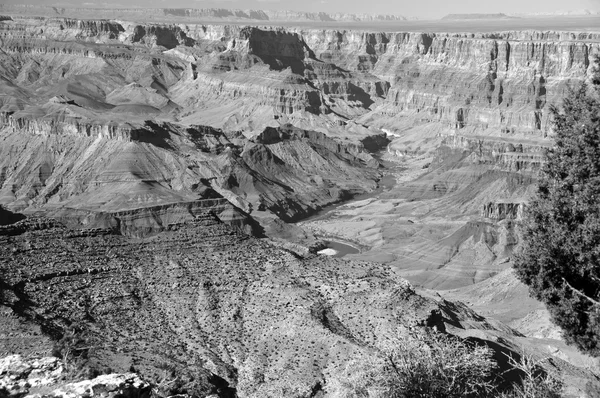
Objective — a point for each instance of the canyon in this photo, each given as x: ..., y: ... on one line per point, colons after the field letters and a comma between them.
x: 180, y: 169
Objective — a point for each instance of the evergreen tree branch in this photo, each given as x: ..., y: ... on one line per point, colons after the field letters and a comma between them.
x: 580, y: 293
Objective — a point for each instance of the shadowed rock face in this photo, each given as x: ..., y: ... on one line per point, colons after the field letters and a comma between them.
x: 141, y: 179
x: 502, y: 211
x: 7, y: 217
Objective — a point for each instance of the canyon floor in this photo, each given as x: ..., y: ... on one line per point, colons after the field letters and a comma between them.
x: 167, y: 180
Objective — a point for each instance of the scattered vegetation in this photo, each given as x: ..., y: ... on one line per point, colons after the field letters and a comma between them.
x: 560, y: 255
x: 436, y: 365
x: 74, y: 349
x: 429, y: 364
x: 535, y: 382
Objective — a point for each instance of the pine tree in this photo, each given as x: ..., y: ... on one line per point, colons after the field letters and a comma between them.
x: 560, y: 253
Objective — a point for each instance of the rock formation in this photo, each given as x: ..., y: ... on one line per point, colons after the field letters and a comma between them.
x: 158, y: 146
x: 41, y: 377
x: 212, y: 308
x: 503, y: 211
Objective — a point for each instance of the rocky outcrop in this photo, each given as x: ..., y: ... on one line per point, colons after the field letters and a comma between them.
x: 503, y: 211
x: 157, y: 174
x: 151, y: 220
x: 284, y: 133
x: 19, y: 375
x: 206, y: 292
x: 41, y: 377
x: 517, y: 156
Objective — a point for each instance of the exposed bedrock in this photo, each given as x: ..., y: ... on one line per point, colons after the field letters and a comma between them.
x: 503, y: 210
x: 112, y: 174
x: 494, y: 83
x: 497, y: 80
x: 150, y: 220
x: 206, y: 292
x: 510, y: 155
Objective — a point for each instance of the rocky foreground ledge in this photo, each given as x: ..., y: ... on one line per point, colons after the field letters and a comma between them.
x: 221, y: 312
x: 45, y: 377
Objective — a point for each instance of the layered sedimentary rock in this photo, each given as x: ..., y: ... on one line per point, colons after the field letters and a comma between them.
x: 503, y: 211
x: 140, y: 179
x: 495, y: 83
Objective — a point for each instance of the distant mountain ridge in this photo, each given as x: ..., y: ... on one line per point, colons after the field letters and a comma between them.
x: 477, y: 16
x: 201, y: 13
x: 583, y: 12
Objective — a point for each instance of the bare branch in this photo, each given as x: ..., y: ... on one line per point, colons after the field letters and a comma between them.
x: 585, y: 296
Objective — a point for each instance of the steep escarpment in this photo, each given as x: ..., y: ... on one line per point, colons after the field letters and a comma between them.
x: 500, y: 81
x: 107, y: 175
x: 476, y: 104
x: 494, y: 84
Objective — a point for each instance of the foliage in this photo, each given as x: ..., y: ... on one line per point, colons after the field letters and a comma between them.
x: 560, y: 253
x: 427, y: 364
x: 535, y: 383
x: 74, y: 349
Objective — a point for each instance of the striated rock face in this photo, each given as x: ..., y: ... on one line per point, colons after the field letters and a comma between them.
x: 503, y: 211
x: 142, y: 179
x: 496, y: 80
x: 510, y: 155
x: 498, y: 84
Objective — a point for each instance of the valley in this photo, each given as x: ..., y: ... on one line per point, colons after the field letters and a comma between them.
x: 168, y: 180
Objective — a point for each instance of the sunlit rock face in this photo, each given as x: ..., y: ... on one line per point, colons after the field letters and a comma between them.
x: 85, y: 88
x: 497, y: 83
x: 501, y: 80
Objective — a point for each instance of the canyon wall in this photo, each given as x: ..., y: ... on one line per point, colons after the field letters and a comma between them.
x: 494, y: 83
x: 84, y: 86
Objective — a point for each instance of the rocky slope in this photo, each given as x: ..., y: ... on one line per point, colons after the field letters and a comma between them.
x: 102, y: 79
x: 163, y: 131
x: 147, y: 177
x: 215, y: 310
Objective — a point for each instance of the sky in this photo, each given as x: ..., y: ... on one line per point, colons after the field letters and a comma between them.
x: 424, y: 9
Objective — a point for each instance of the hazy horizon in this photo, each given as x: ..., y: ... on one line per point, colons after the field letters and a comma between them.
x: 424, y: 9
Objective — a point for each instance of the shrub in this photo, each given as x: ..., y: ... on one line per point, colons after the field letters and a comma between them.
x: 427, y: 364
x: 535, y: 382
